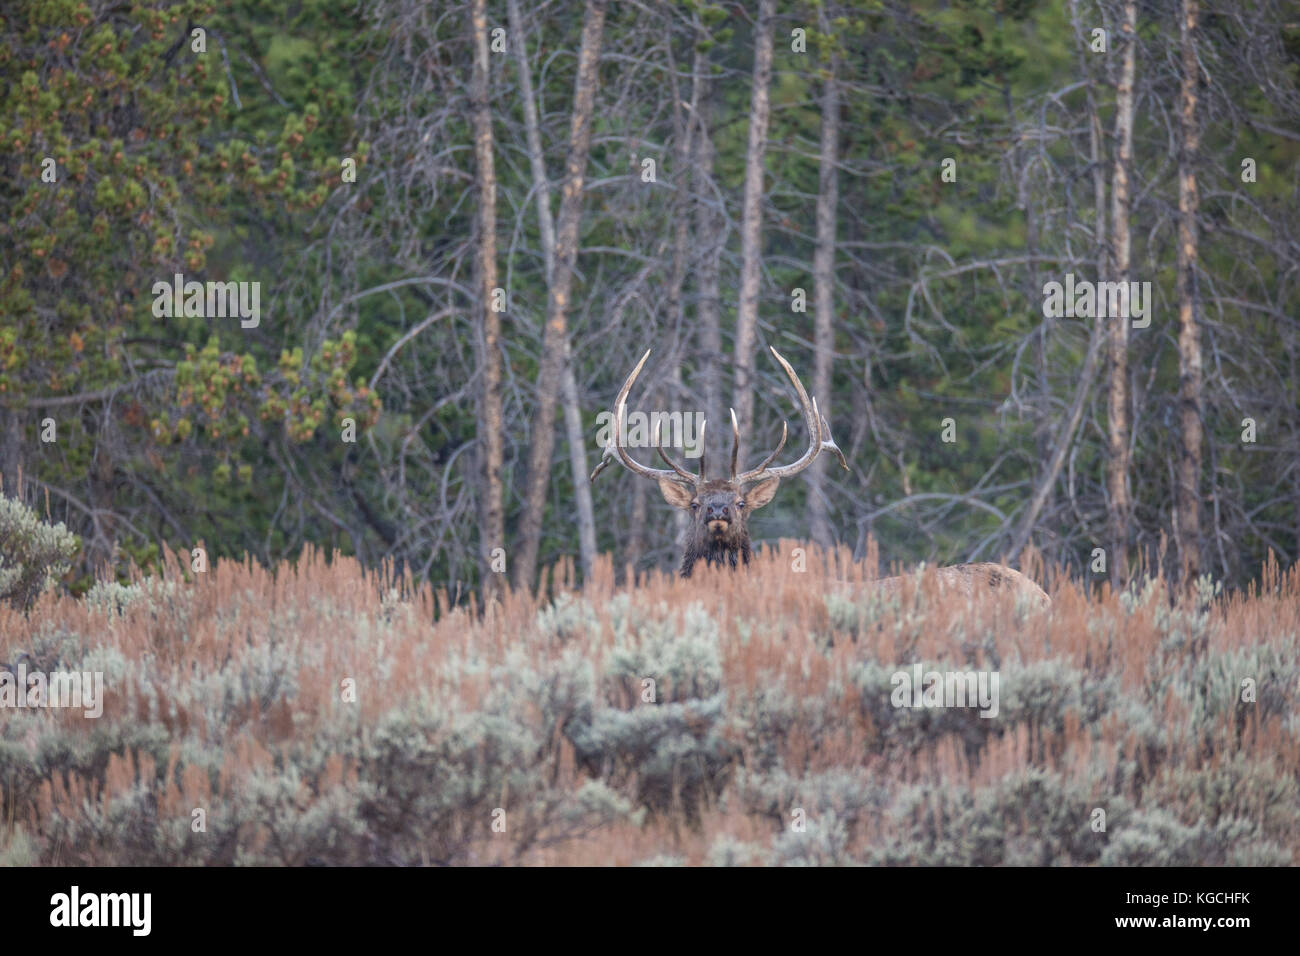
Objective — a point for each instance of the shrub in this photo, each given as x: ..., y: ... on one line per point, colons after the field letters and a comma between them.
x: 527, y: 733
x: 33, y: 554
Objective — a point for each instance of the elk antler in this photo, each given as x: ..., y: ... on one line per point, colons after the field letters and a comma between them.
x: 735, y: 446
x: 616, y: 449
x: 819, y: 437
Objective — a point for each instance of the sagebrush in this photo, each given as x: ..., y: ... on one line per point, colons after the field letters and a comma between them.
x: 33, y: 553
x: 320, y: 714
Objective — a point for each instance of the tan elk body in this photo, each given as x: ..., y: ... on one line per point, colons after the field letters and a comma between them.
x: 719, y: 508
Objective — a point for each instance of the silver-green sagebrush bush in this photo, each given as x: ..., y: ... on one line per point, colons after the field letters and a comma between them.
x: 33, y: 554
x: 315, y: 716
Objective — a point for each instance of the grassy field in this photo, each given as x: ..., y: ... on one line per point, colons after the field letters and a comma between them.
x: 318, y: 714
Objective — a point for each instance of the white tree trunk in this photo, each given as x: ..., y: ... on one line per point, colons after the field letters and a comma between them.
x: 751, y: 225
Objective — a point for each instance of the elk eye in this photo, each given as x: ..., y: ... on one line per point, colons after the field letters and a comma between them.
x: 694, y: 505
x: 740, y: 504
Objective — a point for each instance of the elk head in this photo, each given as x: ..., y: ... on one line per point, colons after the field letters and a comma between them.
x: 720, y: 507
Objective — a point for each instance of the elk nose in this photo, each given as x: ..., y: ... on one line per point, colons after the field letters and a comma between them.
x: 717, y: 512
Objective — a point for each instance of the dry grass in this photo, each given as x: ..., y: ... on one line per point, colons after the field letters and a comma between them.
x: 771, y: 693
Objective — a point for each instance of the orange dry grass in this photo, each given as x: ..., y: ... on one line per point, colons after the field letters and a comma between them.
x: 775, y: 633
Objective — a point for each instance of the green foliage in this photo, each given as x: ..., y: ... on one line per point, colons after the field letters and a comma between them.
x: 225, y: 165
x: 169, y: 161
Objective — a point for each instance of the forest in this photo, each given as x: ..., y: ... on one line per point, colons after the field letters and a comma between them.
x: 460, y: 254
x: 314, y: 317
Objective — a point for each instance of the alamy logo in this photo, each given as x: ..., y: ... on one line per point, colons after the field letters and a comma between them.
x: 1098, y: 300
x: 684, y: 430
x: 210, y: 300
x: 103, y: 909
x: 936, y: 689
x: 77, y: 689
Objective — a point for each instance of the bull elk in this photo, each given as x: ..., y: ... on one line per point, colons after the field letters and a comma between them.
x: 720, y: 507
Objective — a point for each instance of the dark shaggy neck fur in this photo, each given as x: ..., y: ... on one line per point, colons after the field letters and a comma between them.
x: 729, y: 549
x: 713, y: 551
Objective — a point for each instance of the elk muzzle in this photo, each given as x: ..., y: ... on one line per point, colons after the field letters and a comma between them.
x: 717, y: 518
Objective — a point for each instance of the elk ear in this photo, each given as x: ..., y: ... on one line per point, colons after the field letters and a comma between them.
x: 676, y: 494
x: 761, y: 493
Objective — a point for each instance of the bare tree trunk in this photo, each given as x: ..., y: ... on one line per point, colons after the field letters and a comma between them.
x: 533, y: 132
x: 490, y: 425
x: 1118, y: 420
x: 683, y: 129
x: 550, y: 372
x: 584, y: 506
x: 635, y: 549
x: 683, y: 149
x: 709, y: 223
x: 546, y: 226
x: 751, y: 231
x: 824, y: 282
x: 1189, y: 346
x: 1053, y: 441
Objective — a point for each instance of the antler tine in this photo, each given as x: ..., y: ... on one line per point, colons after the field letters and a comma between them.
x: 630, y: 463
x: 619, y: 452
x: 668, y: 461
x: 812, y: 421
x: 605, y: 462
x: 735, y: 443
x: 828, y: 443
